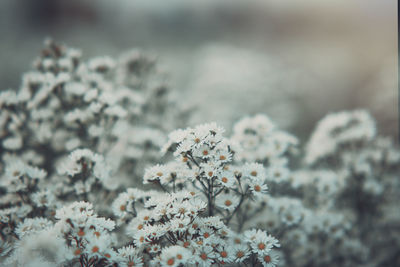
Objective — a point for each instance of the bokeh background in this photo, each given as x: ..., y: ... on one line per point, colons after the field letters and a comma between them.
x: 293, y: 60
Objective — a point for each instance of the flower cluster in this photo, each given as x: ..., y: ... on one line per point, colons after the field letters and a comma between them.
x: 78, y: 130
x: 79, y: 235
x: 337, y: 203
x: 194, y: 222
x: 359, y: 172
x: 339, y: 130
x: 261, y: 140
x: 119, y: 108
x: 204, y: 190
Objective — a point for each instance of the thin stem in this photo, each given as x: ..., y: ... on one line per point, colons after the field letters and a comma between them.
x: 210, y: 199
x: 162, y: 187
x: 242, y: 198
x: 219, y: 192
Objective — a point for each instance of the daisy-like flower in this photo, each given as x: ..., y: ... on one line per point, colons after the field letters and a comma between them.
x: 237, y: 239
x: 44, y: 198
x: 74, y: 210
x: 139, y: 238
x: 121, y: 205
x: 204, y: 152
x: 197, y: 205
x: 155, y: 173
x: 227, y: 201
x: 13, y: 143
x: 32, y: 225
x: 263, y: 243
x: 179, y: 225
x: 174, y: 256
x: 227, y: 179
x: 185, y: 147
x: 179, y: 135
x: 225, y: 254
x: 20, y: 176
x: 128, y: 257
x: 100, y: 223
x: 254, y: 171
x: 97, y: 246
x: 210, y: 169
x: 337, y: 129
x: 258, y: 189
x: 223, y: 156
x: 5, y: 248
x: 240, y: 252
x: 270, y: 259
x: 292, y: 215
x: 182, y: 210
x: 89, y: 164
x: 154, y: 232
x: 206, y: 232
x: 278, y: 173
x: 209, y: 131
x: 205, y: 256
x: 45, y: 245
x: 250, y: 235
x: 197, y: 138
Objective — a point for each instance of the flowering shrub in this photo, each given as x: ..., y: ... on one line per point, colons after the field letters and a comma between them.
x: 90, y: 126
x: 364, y: 188
x: 66, y: 103
x: 205, y: 191
x: 337, y: 206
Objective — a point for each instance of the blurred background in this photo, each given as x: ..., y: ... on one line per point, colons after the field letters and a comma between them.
x: 294, y: 60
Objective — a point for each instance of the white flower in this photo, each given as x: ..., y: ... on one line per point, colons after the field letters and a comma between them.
x: 258, y: 189
x: 19, y: 176
x: 121, y: 205
x: 270, y: 259
x: 337, y: 129
x: 97, y: 246
x: 76, y: 209
x: 155, y: 173
x: 223, y: 156
x: 128, y: 257
x: 292, y: 215
x: 254, y: 171
x: 240, y: 252
x: 373, y: 187
x: 32, y: 226
x: 225, y: 254
x: 227, y: 201
x: 45, y: 245
x: 205, y: 256
x: 277, y: 173
x: 174, y: 256
x: 75, y: 88
x: 89, y: 164
x: 44, y: 198
x: 227, y: 179
x: 12, y: 143
x: 261, y: 242
x: 5, y: 248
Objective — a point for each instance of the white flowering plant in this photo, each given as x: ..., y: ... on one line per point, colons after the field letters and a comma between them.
x: 335, y: 203
x: 102, y: 104
x: 187, y: 224
x: 79, y: 130
x: 205, y: 192
x: 88, y: 177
